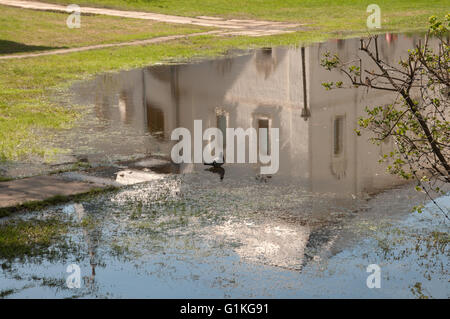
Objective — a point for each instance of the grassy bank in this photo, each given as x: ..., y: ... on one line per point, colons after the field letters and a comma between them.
x: 24, y: 30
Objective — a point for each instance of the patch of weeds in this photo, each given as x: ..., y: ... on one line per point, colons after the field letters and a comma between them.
x: 21, y: 239
x: 137, y: 212
x: 418, y: 291
x: 78, y: 166
x: 428, y: 249
x: 134, y: 215
x: 129, y: 248
x: 6, y: 292
x: 438, y: 240
x: 119, y: 250
x: 89, y: 222
x: 6, y: 266
x: 57, y: 283
x: 54, y: 282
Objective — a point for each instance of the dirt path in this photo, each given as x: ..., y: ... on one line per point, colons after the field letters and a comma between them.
x: 226, y: 27
x: 103, y: 46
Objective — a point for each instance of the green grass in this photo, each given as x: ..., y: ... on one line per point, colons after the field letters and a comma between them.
x: 26, y: 113
x: 23, y: 112
x: 325, y: 14
x: 24, y: 30
x: 20, y: 239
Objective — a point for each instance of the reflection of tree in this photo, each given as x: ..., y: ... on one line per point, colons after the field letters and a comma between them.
x: 105, y: 95
x: 92, y: 234
x: 224, y: 65
x: 417, y: 118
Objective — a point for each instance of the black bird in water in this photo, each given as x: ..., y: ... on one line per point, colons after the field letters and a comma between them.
x: 217, y: 166
x: 218, y: 161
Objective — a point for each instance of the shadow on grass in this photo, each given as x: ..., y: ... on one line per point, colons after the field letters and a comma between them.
x: 8, y: 47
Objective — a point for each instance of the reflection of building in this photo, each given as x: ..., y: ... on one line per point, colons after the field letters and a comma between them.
x: 278, y: 87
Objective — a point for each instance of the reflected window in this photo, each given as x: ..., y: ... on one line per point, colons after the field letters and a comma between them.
x: 126, y: 107
x: 122, y: 109
x: 263, y: 138
x: 267, y: 51
x: 338, y: 135
x: 265, y: 62
x: 155, y: 121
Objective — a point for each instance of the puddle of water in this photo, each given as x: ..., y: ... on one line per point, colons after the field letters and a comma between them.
x: 308, y: 231
x: 176, y: 238
x: 134, y: 112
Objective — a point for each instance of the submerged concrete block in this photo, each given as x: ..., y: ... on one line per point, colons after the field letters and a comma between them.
x: 130, y: 177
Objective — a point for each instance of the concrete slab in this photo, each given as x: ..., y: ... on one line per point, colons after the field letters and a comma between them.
x: 39, y: 188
